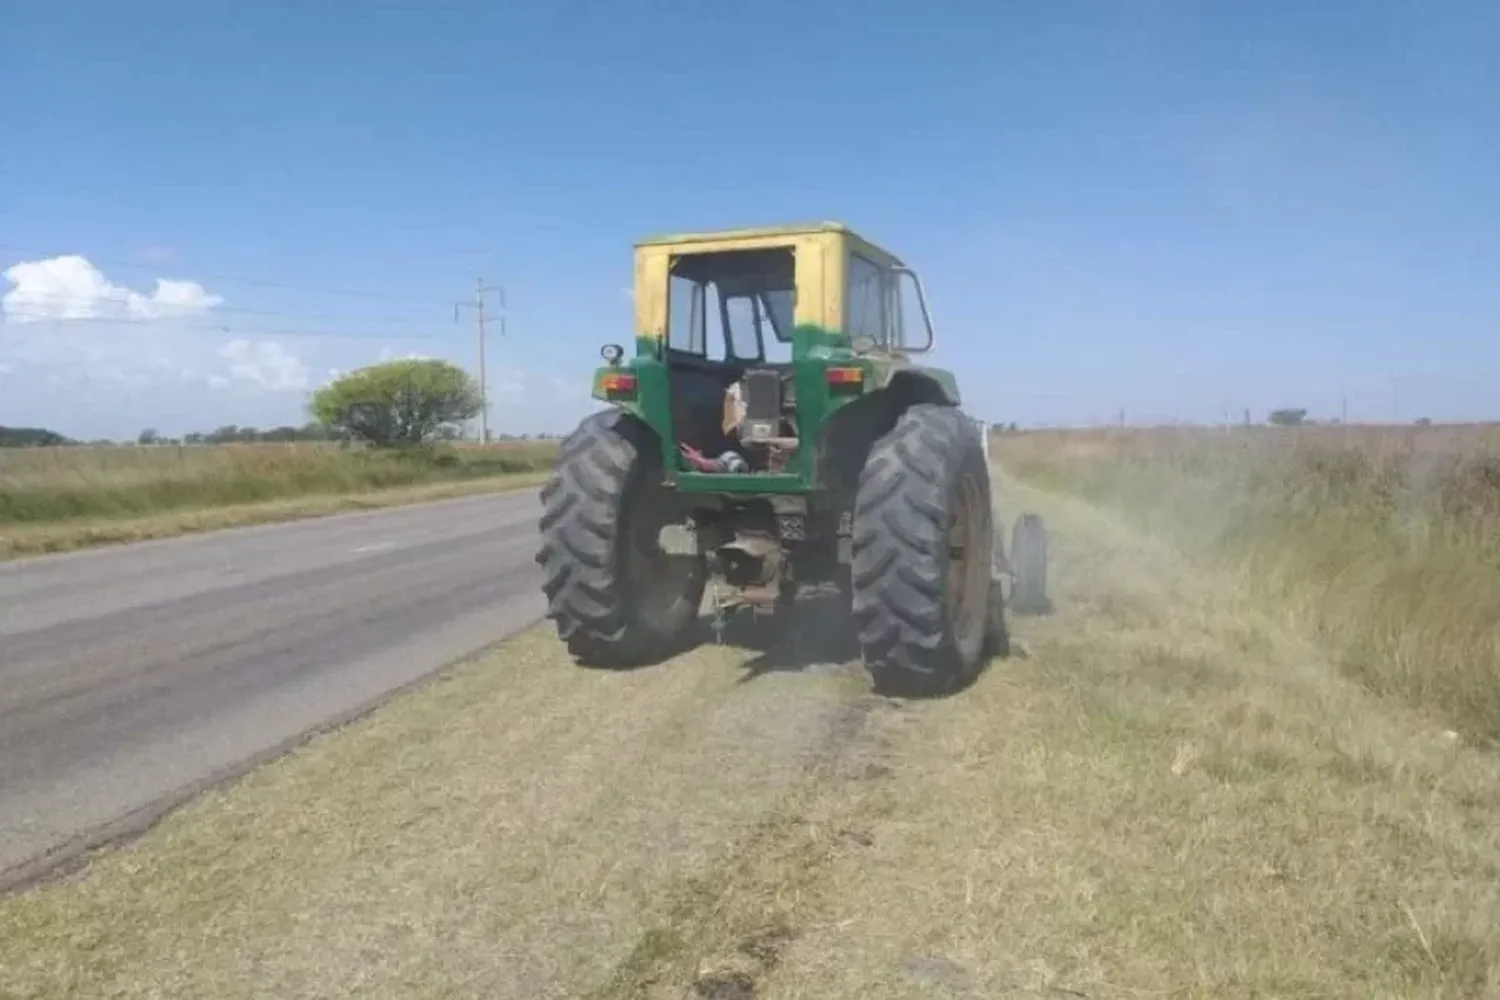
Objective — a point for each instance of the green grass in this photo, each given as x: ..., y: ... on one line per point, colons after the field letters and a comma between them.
x: 1382, y: 542
x: 54, y: 499
x: 40, y: 485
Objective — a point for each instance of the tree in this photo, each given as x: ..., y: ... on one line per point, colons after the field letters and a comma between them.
x: 406, y: 402
x: 30, y: 437
x: 1287, y: 418
x: 148, y: 436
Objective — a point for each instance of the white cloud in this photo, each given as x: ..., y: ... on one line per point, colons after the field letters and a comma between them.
x: 264, y: 363
x: 520, y: 389
x: 386, y: 354
x: 89, y: 357
x: 71, y: 288
x: 78, y: 327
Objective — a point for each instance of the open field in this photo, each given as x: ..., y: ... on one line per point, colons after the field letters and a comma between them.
x: 1382, y: 542
x: 54, y: 499
x: 1172, y: 792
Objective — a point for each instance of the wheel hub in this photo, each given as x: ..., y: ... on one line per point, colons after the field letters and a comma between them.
x: 968, y: 568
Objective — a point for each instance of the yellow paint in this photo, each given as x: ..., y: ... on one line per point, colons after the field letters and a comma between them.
x: 822, y: 251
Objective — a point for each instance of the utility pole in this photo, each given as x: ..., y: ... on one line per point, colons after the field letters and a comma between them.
x: 479, y: 321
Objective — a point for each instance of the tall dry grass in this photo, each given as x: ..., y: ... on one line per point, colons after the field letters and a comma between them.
x: 1384, y: 542
x: 45, y: 485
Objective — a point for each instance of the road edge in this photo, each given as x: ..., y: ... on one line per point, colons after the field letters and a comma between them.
x: 281, y: 512
x: 74, y: 856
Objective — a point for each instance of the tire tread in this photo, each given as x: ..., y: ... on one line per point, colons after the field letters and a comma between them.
x: 899, y: 549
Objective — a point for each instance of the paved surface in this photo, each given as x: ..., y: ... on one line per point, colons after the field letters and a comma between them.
x: 131, y: 676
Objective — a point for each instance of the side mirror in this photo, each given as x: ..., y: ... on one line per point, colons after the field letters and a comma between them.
x: 914, y: 283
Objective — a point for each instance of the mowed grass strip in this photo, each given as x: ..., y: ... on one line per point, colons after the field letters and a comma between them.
x: 507, y: 831
x: 1171, y: 793
x: 56, y: 499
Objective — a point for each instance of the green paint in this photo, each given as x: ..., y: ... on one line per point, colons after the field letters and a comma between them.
x: 741, y: 483
x: 815, y: 350
x: 811, y: 342
x: 652, y: 402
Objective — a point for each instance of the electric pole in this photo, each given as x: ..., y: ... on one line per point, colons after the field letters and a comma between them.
x: 479, y: 321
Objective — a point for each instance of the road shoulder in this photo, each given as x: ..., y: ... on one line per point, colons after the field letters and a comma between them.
x: 68, y: 536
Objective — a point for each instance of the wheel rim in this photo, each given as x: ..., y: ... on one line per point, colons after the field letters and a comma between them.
x: 658, y: 582
x: 968, y: 567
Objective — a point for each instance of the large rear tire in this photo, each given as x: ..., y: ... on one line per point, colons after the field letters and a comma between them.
x: 922, y: 547
x: 616, y: 598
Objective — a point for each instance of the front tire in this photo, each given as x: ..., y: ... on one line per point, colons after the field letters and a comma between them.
x: 922, y: 546
x: 616, y: 598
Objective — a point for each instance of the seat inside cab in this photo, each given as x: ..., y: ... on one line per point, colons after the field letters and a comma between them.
x: 729, y: 313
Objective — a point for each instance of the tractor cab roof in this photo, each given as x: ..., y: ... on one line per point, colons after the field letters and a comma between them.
x: 789, y: 230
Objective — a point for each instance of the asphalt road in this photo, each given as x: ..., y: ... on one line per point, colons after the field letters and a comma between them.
x: 132, y: 676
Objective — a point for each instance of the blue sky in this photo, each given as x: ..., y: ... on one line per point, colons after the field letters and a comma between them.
x: 1173, y: 208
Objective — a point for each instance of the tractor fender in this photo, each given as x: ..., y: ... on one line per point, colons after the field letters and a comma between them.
x: 918, y: 385
x: 850, y: 433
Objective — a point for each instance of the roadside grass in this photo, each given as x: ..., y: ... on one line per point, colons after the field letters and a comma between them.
x: 1168, y: 792
x: 505, y: 831
x: 1383, y: 542
x: 55, y: 499
x: 1172, y: 796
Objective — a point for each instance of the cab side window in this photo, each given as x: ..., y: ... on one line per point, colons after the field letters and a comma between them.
x: 866, y: 309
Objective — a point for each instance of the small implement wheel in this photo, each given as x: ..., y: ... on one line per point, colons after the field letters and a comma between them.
x: 1028, y: 563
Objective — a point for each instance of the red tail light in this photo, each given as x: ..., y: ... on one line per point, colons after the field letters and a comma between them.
x: 845, y: 378
x: 617, y: 384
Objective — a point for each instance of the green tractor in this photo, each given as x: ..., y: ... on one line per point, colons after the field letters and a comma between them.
x: 771, y: 433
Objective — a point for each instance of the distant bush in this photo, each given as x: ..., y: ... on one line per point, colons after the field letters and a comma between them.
x: 407, y: 402
x: 30, y: 437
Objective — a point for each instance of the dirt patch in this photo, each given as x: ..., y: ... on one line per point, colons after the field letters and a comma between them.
x: 725, y: 986
x: 755, y: 957
x: 727, y: 926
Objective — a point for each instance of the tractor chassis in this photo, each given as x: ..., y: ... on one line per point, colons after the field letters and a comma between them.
x: 760, y: 551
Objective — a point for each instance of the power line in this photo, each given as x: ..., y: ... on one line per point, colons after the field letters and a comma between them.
x: 37, y: 253
x: 70, y: 297
x: 208, y: 323
x: 269, y: 283
x: 479, y: 319
x: 202, y: 326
